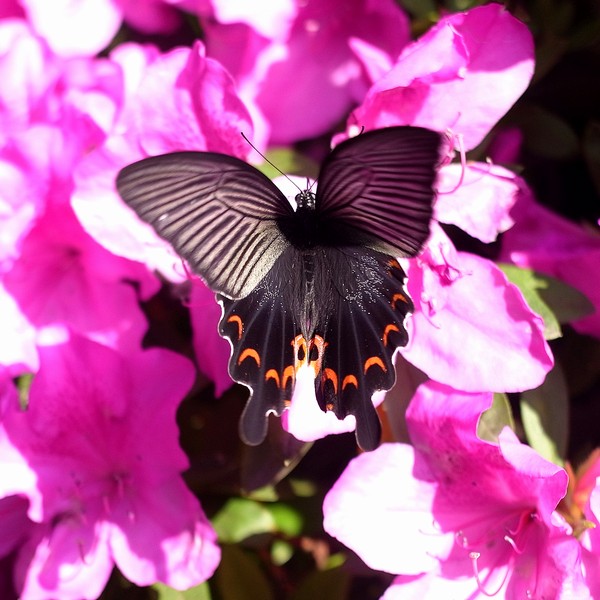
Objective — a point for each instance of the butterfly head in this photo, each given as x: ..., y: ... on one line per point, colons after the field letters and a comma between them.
x: 305, y: 200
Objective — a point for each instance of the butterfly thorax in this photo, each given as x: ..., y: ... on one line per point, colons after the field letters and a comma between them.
x: 305, y: 200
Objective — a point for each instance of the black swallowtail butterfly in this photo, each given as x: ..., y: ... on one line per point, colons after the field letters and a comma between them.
x: 316, y: 286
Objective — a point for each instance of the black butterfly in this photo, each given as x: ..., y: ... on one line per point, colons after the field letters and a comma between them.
x: 315, y: 286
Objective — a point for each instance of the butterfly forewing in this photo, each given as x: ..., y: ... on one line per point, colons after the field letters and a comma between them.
x: 218, y: 212
x: 379, y: 184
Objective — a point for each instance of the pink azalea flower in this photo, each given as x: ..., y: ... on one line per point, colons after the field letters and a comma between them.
x: 75, y: 28
x: 453, y: 338
x: 549, y: 243
x: 454, y: 515
x: 477, y: 198
x: 11, y: 8
x: 86, y: 27
x: 591, y: 540
x: 52, y: 112
x: 462, y: 75
x: 97, y: 456
x: 180, y: 100
x: 18, y: 351
x: 300, y: 47
x: 63, y: 280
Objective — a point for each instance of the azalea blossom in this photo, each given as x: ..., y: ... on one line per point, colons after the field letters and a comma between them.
x: 454, y: 515
x: 64, y: 281
x: 295, y: 65
x: 454, y: 294
x: 462, y: 75
x: 96, y: 455
x: 86, y: 27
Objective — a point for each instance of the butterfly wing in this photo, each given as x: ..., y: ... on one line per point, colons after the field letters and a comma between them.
x: 261, y: 329
x: 218, y: 212
x: 379, y: 185
x: 360, y: 316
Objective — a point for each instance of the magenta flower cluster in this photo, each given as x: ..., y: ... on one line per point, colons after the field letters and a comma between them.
x: 90, y: 464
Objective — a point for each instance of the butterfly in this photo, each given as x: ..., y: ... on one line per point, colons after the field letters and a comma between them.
x: 318, y: 286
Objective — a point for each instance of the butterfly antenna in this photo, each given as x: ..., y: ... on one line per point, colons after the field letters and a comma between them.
x: 267, y: 160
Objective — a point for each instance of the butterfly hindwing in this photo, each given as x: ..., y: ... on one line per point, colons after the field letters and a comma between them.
x: 260, y: 330
x: 379, y: 184
x: 361, y: 320
x: 218, y: 212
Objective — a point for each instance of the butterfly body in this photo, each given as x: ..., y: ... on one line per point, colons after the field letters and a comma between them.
x: 316, y: 288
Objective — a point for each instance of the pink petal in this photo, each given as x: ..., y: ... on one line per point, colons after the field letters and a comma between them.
x: 150, y: 16
x: 462, y: 75
x: 432, y: 585
x: 381, y: 508
x: 481, y: 204
x: 471, y: 328
x: 64, y: 278
x: 92, y: 24
x: 17, y: 350
x: 168, y: 538
x: 592, y: 512
x: 65, y: 561
x: 304, y: 419
x: 11, y: 8
x: 314, y: 59
x: 270, y: 19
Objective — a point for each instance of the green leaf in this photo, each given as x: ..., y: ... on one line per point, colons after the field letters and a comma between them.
x: 555, y: 301
x: 281, y: 552
x: 268, y: 493
x: 289, y: 162
x: 545, y: 415
x: 303, y: 488
x: 287, y: 519
x: 199, y: 592
x: 420, y: 9
x: 332, y: 584
x: 240, y: 577
x: 23, y: 385
x: 495, y: 419
x: 241, y: 518
x: 546, y: 134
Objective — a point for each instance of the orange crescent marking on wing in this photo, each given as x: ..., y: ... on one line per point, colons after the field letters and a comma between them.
x: 288, y: 373
x: 394, y: 263
x: 272, y: 374
x: 320, y: 344
x: 386, y: 332
x: 349, y: 380
x: 249, y: 353
x: 299, y: 342
x: 397, y: 297
x: 238, y: 320
x: 374, y: 360
x: 331, y: 375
